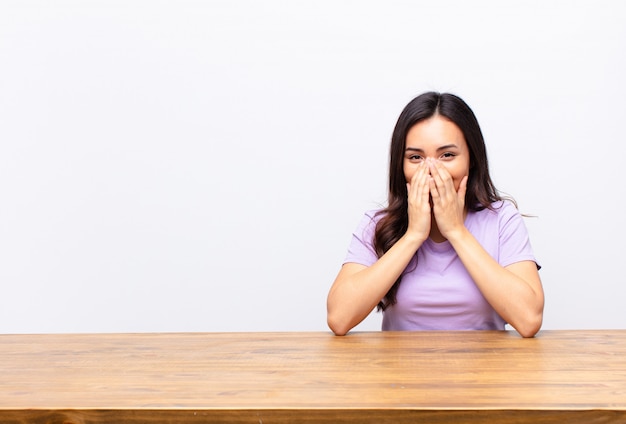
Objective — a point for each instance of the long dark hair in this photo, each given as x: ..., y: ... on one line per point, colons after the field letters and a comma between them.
x: 481, y: 192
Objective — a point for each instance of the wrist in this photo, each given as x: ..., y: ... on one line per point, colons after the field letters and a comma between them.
x: 457, y: 235
x: 414, y: 240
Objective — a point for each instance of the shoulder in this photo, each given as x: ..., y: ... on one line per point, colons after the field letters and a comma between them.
x: 502, y: 232
x: 502, y: 209
x: 374, y: 214
x: 500, y: 216
x: 505, y: 208
x: 370, y: 219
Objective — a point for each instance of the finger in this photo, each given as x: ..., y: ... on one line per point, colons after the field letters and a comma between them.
x: 440, y: 173
x: 418, y: 177
x: 462, y: 190
x: 424, y: 184
x: 434, y: 193
x: 418, y: 189
x: 437, y: 187
x: 443, y: 179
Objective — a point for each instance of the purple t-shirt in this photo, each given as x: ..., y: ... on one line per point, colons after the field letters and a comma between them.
x: 438, y: 293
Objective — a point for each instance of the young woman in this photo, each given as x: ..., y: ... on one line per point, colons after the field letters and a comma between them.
x: 448, y: 252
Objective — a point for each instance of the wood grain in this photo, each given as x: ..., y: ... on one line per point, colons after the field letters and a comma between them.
x: 558, y: 376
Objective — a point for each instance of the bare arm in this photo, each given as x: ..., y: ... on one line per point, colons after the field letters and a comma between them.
x: 357, y: 288
x: 515, y: 291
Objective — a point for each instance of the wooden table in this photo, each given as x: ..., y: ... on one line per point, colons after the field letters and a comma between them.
x: 475, y: 376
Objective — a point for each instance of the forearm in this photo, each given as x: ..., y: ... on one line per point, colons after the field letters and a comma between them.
x: 358, y: 289
x: 516, y: 296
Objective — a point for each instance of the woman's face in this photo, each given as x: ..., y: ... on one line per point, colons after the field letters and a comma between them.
x: 440, y: 139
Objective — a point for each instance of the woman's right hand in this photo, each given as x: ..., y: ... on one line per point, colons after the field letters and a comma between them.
x: 419, y: 208
x: 358, y: 288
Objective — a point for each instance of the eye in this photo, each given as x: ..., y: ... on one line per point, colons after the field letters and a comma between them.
x: 448, y: 155
x: 414, y: 158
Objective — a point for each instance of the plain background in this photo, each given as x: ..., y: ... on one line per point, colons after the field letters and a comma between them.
x: 200, y: 165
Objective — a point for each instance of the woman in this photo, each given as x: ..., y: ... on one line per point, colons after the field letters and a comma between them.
x: 448, y: 252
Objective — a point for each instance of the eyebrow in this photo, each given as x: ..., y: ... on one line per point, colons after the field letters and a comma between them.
x: 446, y: 147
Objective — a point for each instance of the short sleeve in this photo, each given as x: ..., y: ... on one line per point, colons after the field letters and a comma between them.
x: 514, y: 239
x: 361, y: 248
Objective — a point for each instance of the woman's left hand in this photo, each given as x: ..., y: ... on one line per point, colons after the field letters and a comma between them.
x: 448, y: 203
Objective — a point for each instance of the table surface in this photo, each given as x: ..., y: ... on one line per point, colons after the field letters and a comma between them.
x: 271, y: 377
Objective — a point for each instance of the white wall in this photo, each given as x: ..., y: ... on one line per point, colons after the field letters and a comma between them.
x: 200, y: 165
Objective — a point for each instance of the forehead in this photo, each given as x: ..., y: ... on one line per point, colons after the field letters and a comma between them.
x: 435, y: 132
